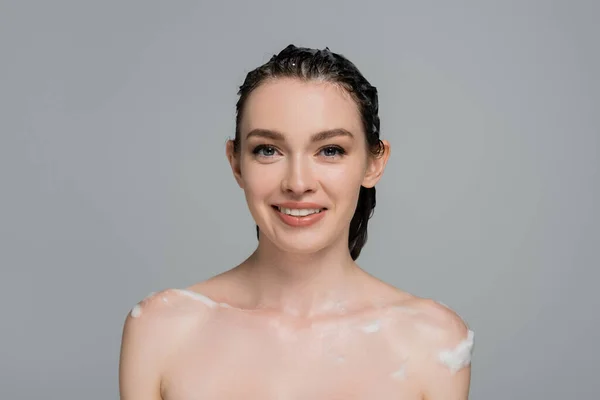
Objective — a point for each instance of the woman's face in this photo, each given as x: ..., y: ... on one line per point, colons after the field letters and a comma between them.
x: 303, y: 151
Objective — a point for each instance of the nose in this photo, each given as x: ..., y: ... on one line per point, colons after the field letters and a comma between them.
x: 299, y: 177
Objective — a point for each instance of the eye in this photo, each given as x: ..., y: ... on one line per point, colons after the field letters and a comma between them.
x: 264, y: 150
x: 332, y: 151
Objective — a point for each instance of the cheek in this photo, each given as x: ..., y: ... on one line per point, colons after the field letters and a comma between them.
x: 260, y: 180
x: 343, y: 183
x: 349, y: 174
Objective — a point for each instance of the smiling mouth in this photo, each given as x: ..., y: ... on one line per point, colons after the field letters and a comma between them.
x: 303, y: 212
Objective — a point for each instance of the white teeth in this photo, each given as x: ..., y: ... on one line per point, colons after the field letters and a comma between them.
x: 299, y: 213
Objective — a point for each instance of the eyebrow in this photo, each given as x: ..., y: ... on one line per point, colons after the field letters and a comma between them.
x: 317, y: 137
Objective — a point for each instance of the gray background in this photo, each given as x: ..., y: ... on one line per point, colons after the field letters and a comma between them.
x: 114, y: 183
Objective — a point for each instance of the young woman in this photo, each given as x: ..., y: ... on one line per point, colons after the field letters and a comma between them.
x: 299, y: 319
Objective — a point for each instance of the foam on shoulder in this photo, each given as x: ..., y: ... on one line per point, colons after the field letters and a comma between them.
x: 458, y: 357
x: 168, y: 297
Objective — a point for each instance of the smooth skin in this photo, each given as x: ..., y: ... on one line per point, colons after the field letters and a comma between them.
x: 298, y: 319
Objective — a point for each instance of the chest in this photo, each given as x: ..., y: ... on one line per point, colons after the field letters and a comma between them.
x: 263, y: 382
x: 287, y: 365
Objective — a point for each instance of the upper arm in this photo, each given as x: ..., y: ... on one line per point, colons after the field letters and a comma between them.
x: 445, y: 362
x: 143, y: 351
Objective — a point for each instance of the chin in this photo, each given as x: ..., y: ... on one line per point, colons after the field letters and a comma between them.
x: 304, y: 243
x: 300, y: 248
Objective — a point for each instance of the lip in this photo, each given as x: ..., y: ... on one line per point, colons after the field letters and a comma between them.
x: 300, y: 221
x: 299, y: 205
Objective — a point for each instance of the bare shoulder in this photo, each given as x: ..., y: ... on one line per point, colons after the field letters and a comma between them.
x: 171, y: 304
x: 431, y: 319
x: 152, y: 332
x: 442, y: 346
x: 434, y: 321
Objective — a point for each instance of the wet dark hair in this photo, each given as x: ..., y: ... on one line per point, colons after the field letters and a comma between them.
x: 325, y: 66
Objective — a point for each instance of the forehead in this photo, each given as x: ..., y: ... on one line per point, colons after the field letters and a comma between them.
x: 296, y: 107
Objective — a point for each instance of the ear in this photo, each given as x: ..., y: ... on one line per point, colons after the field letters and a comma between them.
x: 234, y: 161
x: 376, y: 165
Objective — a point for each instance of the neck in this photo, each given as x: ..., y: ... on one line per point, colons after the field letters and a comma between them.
x: 302, y: 285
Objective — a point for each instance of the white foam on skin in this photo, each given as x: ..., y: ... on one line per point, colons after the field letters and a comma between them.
x: 460, y: 356
x: 372, y: 327
x: 197, y: 296
x: 399, y: 374
x: 136, y: 311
